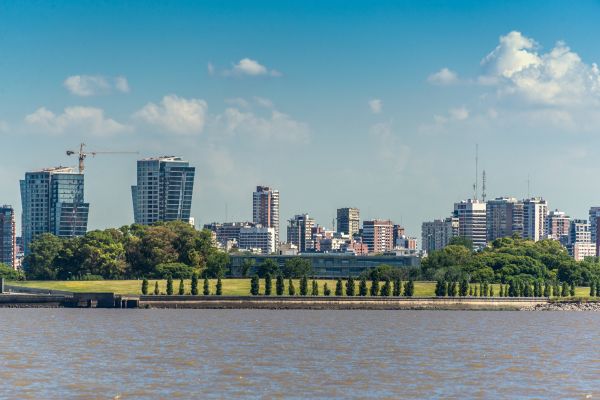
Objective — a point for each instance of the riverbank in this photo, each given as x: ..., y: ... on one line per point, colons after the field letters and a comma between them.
x: 565, y: 305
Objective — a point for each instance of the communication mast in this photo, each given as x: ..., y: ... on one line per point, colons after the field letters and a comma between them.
x: 483, y: 195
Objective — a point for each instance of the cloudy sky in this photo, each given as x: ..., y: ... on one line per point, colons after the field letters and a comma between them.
x: 376, y: 105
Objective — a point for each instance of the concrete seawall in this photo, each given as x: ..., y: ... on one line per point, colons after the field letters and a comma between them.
x: 339, y: 303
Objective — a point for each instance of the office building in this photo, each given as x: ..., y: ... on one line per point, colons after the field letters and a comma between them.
x: 52, y: 202
x: 163, y: 191
x: 8, y: 238
x: 557, y: 225
x: 535, y: 211
x: 504, y: 218
x: 348, y: 220
x: 300, y: 232
x: 378, y: 235
x: 227, y: 232
x: 472, y: 221
x: 580, y: 240
x: 594, y: 216
x: 257, y: 239
x: 265, y: 209
x: 436, y: 234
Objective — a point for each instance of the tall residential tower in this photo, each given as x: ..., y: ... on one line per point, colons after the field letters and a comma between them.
x: 265, y: 209
x: 348, y: 220
x: 8, y: 244
x: 164, y: 190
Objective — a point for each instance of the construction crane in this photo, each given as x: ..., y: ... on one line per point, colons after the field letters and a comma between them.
x: 83, y: 154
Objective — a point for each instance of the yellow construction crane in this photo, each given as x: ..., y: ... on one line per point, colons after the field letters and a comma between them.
x: 83, y: 154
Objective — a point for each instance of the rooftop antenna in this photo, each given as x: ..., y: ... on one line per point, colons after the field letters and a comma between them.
x: 483, y: 195
x: 476, y: 184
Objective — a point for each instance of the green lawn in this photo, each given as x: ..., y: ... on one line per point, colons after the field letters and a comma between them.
x: 231, y: 287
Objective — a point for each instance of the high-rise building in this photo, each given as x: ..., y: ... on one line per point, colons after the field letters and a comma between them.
x: 436, y: 234
x: 265, y: 209
x: 472, y: 221
x: 580, y: 240
x: 595, y: 226
x: 348, y: 220
x: 257, y: 238
x: 299, y: 232
x: 504, y: 218
x: 398, y: 232
x: 52, y: 202
x: 8, y: 238
x: 557, y: 225
x: 535, y: 211
x: 164, y: 190
x: 378, y: 235
x: 227, y: 231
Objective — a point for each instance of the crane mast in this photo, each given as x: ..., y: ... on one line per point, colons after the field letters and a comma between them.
x: 82, y: 155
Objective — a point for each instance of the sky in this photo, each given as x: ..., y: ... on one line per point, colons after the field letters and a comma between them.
x: 376, y: 105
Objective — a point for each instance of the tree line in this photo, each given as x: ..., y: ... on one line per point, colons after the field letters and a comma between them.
x: 514, y: 288
x: 182, y: 289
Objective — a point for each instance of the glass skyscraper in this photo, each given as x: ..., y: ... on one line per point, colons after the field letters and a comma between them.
x: 52, y: 202
x: 164, y: 190
x: 7, y: 236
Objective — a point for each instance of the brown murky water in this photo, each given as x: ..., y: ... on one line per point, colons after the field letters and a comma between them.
x: 225, y: 354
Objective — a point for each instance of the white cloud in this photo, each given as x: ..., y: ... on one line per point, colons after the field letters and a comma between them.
x: 263, y: 102
x: 459, y: 114
x: 93, y: 85
x: 75, y: 119
x: 175, y: 114
x: 376, y: 106
x: 443, y: 77
x: 276, y: 126
x: 246, y: 67
x: 238, y: 101
x: 556, y: 78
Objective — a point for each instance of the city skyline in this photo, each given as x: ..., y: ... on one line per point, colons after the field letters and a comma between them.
x: 391, y: 132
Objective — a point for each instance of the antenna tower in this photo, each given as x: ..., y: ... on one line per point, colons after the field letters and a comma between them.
x: 483, y: 195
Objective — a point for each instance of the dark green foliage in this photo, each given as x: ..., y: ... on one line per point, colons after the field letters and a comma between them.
x: 452, y: 289
x: 597, y: 288
x: 169, y: 286
x: 156, y: 290
x: 315, y: 288
x: 397, y: 287
x: 268, y: 284
x: 565, y: 289
x: 556, y: 289
x: 491, y: 292
x: 501, y: 294
x: 547, y: 289
x: 11, y: 274
x: 181, y: 287
x: 269, y: 266
x: 486, y: 289
x: 303, y: 286
x: 194, y: 285
x: 326, y: 290
x: 350, y: 287
x: 476, y: 291
x: 440, y: 288
x: 386, y: 289
x: 481, y: 292
x: 470, y: 290
x: 339, y: 288
x: 592, y: 288
x: 297, y: 267
x: 206, y: 287
x: 291, y: 288
x: 145, y: 286
x: 254, y: 285
x: 374, y: 287
x: 526, y: 290
x: 384, y: 271
x: 246, y: 267
x: 464, y: 287
x: 279, y: 285
x: 409, y: 288
x: 362, y: 286
x: 219, y: 291
x: 176, y: 270
x: 572, y: 290
x: 216, y: 264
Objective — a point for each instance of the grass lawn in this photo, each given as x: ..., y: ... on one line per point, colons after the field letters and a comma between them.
x: 231, y: 287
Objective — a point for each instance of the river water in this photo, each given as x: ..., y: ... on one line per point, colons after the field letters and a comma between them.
x: 230, y: 354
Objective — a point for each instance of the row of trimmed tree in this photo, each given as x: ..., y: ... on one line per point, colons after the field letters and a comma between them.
x: 514, y: 288
x: 386, y: 287
x: 193, y: 287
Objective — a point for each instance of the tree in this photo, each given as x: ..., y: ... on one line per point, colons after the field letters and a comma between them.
x: 268, y: 284
x: 8, y: 273
x: 279, y: 285
x: 565, y: 289
x: 206, y: 287
x: 491, y: 290
x: 486, y: 289
x: 315, y: 288
x: 572, y: 289
x: 156, y: 290
x: 303, y: 286
x: 501, y: 294
x: 452, y: 289
x: 219, y: 291
x: 194, y: 284
x: 291, y: 288
x: 464, y: 287
x: 269, y: 266
x: 592, y: 288
x: 181, y: 287
x: 169, y: 286
x: 216, y: 264
x: 476, y: 291
x: 145, y: 286
x: 43, y: 251
x: 386, y: 290
x: 297, y: 267
x: 338, y: 288
x: 440, y: 288
x: 254, y: 285
x: 350, y: 286
x: 247, y: 265
x: 409, y: 288
x: 556, y: 289
x: 546, y: 289
x: 397, y: 287
x: 597, y: 288
x: 374, y: 287
x: 326, y: 290
x: 362, y: 286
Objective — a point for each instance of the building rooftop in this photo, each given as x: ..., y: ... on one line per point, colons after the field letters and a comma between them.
x: 163, y: 158
x: 55, y: 170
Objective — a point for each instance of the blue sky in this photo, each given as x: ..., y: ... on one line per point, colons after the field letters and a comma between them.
x: 370, y: 104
